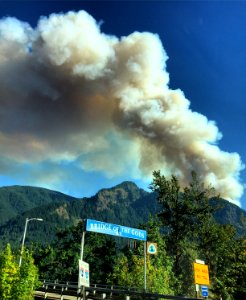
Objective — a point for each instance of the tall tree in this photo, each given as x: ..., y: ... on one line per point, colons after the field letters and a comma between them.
x: 183, y: 213
x: 225, y: 253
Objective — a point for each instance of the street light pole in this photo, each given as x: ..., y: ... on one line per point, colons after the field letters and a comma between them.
x: 24, y: 236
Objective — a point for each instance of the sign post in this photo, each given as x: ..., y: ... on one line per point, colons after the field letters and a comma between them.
x: 201, y: 277
x: 82, y: 246
x: 116, y: 230
x: 145, y: 267
x: 81, y: 255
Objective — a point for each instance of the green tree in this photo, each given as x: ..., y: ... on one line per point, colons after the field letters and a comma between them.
x: 183, y: 213
x: 9, y: 273
x: 44, y: 258
x: 129, y: 267
x: 28, y: 278
x: 100, y: 253
x: 225, y: 254
x: 17, y: 283
x: 60, y: 261
x: 192, y: 232
x: 238, y: 270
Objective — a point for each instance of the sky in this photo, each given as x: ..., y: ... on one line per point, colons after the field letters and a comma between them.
x: 95, y: 93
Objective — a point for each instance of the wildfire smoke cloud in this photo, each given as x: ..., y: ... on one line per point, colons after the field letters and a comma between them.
x: 70, y: 93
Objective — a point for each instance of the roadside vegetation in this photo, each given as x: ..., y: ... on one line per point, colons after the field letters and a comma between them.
x: 17, y: 283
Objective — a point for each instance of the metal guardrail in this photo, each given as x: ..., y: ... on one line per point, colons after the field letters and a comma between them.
x: 97, y: 291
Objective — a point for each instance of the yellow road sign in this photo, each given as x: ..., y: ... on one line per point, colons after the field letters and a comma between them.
x: 201, y: 274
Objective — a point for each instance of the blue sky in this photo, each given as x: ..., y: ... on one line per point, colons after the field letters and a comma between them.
x: 205, y: 42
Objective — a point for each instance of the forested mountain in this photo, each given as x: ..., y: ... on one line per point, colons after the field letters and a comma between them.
x: 230, y: 214
x: 16, y: 200
x: 124, y: 204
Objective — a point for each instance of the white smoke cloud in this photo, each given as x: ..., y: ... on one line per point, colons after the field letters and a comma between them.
x: 70, y: 93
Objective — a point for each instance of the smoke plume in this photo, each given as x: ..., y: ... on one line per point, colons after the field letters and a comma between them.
x: 70, y: 93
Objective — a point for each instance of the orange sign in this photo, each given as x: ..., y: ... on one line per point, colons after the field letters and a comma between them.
x: 201, y: 274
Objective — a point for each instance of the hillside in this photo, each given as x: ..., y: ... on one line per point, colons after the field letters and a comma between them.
x: 16, y: 200
x: 230, y: 214
x: 124, y: 204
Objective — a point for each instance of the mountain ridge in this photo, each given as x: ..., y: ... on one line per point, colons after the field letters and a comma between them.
x: 17, y: 199
x: 124, y: 204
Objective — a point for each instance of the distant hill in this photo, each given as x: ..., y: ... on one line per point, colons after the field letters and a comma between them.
x: 16, y: 200
x: 124, y: 204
